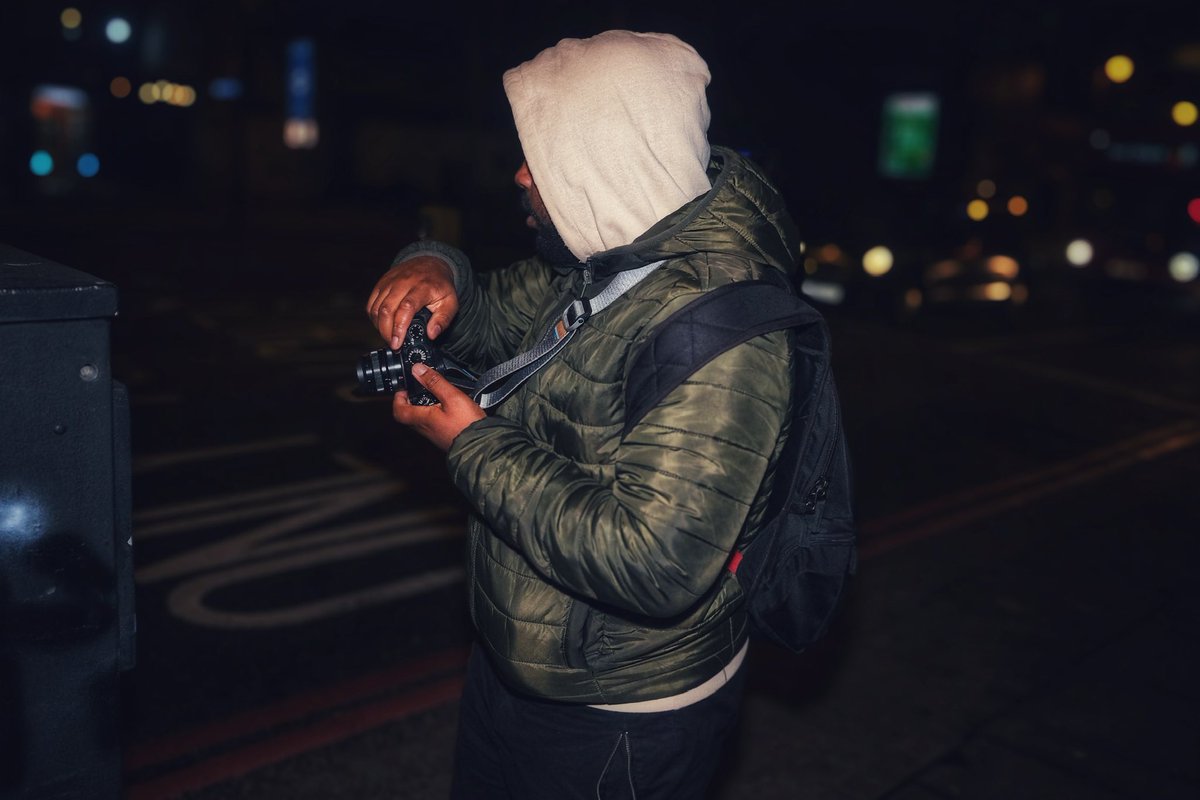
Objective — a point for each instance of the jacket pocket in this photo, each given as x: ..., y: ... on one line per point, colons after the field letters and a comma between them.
x: 575, y: 635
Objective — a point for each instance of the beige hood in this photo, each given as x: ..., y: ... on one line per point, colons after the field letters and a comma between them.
x: 614, y: 129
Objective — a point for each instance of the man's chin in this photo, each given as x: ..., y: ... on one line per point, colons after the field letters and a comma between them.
x: 553, y: 250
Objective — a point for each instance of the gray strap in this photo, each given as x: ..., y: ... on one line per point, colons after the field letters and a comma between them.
x: 502, y: 380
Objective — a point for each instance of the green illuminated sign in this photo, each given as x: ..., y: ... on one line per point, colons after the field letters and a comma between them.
x: 909, y: 138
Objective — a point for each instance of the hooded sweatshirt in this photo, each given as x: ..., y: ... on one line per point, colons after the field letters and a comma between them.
x: 614, y: 130
x: 596, y: 555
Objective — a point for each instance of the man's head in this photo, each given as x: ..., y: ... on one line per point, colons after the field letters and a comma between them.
x: 615, y: 129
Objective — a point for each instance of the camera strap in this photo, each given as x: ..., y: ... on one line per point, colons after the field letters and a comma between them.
x: 503, y: 379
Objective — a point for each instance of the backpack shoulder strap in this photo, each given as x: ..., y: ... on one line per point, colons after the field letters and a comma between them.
x: 700, y: 331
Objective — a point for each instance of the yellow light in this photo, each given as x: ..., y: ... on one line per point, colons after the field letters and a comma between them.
x: 810, y: 265
x: 1017, y: 205
x: 1184, y: 113
x: 148, y: 93
x: 184, y: 96
x: 877, y: 261
x: 120, y: 87
x: 986, y: 189
x: 1079, y: 252
x: 1119, y: 69
x: 977, y: 210
x: 998, y: 291
x: 1004, y: 266
x: 70, y: 18
x: 300, y: 133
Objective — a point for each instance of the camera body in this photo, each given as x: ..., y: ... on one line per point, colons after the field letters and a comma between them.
x: 387, y: 371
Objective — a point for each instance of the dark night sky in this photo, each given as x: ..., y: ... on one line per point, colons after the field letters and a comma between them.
x: 799, y: 84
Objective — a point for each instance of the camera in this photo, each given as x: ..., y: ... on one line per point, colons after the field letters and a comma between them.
x: 387, y: 371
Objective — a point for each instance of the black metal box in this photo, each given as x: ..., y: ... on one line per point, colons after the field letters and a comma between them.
x: 66, y: 585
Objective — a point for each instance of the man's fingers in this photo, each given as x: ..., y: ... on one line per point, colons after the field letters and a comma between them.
x: 431, y: 379
x: 439, y: 319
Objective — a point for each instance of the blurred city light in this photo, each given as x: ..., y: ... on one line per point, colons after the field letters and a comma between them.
x: 120, y: 87
x: 824, y: 291
x: 301, y: 134
x: 162, y: 91
x: 118, y: 30
x: 877, y: 261
x: 70, y: 18
x: 88, y: 165
x: 831, y: 254
x: 1018, y: 205
x: 1194, y: 209
x: 995, y: 291
x: 986, y: 189
x: 1184, y: 113
x: 1184, y: 267
x: 1079, y: 252
x: 913, y: 299
x: 977, y: 210
x: 1119, y: 68
x: 1004, y: 266
x: 300, y: 129
x: 908, y: 143
x: 943, y: 270
x: 41, y: 163
x: 225, y: 89
x: 49, y: 100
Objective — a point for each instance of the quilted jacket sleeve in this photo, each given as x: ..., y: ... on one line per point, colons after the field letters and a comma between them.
x: 496, y: 308
x: 655, y: 537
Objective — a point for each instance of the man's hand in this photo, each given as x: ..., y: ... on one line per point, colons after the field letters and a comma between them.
x: 413, y: 284
x: 441, y: 423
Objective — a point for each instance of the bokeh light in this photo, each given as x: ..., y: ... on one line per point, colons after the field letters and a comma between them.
x: 1194, y: 209
x: 118, y: 30
x: 1184, y: 113
x: 120, y: 87
x: 977, y: 210
x: 1004, y: 266
x: 70, y: 18
x: 877, y: 261
x: 1018, y: 205
x: 88, y: 165
x: 1119, y: 68
x: 41, y: 163
x: 986, y: 189
x: 1079, y: 252
x: 1184, y: 267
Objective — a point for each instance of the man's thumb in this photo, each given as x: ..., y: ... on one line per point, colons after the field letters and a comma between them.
x: 429, y: 378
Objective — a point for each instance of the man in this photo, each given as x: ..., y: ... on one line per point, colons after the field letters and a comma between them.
x: 611, y: 633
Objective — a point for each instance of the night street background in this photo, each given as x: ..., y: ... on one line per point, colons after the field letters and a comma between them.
x: 1020, y: 373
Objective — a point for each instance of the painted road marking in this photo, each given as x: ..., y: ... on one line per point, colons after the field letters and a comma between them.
x: 881, y: 536
x: 889, y: 533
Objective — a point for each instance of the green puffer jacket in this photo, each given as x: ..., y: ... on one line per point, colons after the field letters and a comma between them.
x: 597, y: 564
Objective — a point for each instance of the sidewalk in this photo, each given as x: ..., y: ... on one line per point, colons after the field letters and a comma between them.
x: 1048, y: 652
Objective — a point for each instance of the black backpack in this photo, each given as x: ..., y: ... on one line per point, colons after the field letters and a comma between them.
x: 796, y: 568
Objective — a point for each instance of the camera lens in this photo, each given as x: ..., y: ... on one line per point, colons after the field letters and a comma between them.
x: 381, y: 372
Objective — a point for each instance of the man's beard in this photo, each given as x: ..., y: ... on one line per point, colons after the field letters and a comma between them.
x: 549, y: 243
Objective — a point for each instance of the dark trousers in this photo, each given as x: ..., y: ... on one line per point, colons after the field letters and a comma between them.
x: 513, y: 746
